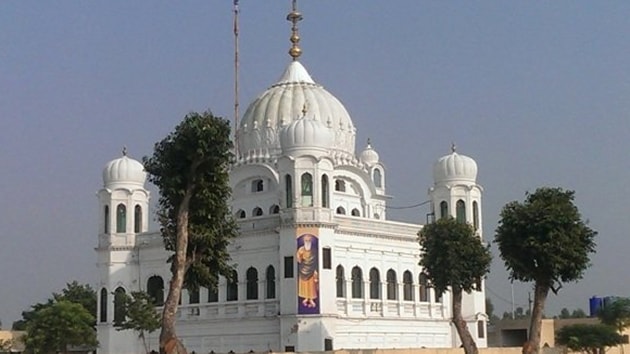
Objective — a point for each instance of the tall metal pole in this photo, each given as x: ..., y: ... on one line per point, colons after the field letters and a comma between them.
x: 236, y: 12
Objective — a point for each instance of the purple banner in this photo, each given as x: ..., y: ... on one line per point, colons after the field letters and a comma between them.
x: 307, y: 257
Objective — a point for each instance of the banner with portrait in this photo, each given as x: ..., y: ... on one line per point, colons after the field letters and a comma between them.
x: 307, y: 258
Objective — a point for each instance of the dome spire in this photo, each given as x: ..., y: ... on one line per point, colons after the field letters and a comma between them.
x: 294, y: 17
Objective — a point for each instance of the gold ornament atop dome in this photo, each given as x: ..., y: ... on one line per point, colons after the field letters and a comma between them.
x: 294, y: 17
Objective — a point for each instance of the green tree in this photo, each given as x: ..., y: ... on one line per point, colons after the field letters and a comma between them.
x: 578, y: 313
x: 82, y: 294
x: 588, y: 338
x: 140, y: 315
x: 544, y: 240
x: 564, y: 313
x: 454, y: 256
x: 74, y: 292
x: 59, y: 326
x: 190, y: 168
x: 616, y: 314
x: 490, y: 311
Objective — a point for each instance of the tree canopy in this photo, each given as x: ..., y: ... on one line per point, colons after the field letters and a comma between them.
x: 59, y: 326
x: 588, y: 338
x: 544, y: 240
x: 190, y: 167
x: 139, y: 315
x: 616, y: 314
x: 74, y: 292
x: 454, y: 257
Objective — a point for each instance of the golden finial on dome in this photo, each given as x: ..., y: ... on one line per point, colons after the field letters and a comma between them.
x: 453, y: 147
x: 124, y: 151
x: 304, y: 110
x: 294, y: 16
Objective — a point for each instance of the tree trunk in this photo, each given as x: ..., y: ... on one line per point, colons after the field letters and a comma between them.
x: 169, y: 343
x: 532, y: 346
x: 470, y: 347
x: 144, y: 342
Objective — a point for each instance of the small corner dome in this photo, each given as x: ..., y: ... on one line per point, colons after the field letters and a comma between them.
x: 455, y: 167
x: 369, y: 156
x: 306, y: 133
x: 124, y: 170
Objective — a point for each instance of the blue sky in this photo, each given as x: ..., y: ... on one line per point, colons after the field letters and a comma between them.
x: 536, y: 92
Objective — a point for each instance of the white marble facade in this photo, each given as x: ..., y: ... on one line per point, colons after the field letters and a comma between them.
x: 297, y: 173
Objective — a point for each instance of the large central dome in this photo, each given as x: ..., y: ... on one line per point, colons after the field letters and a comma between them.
x: 294, y: 96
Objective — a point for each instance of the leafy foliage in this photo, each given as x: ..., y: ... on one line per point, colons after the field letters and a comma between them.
x: 140, y: 315
x: 588, y: 337
x: 544, y: 239
x: 195, y: 159
x: 74, y: 292
x: 82, y: 294
x: 190, y: 168
x: 453, y: 256
x: 58, y: 326
x: 616, y: 314
x: 577, y: 313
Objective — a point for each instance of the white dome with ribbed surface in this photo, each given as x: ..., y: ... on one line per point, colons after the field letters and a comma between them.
x: 306, y: 133
x: 455, y: 167
x: 369, y: 156
x: 283, y: 103
x: 124, y: 171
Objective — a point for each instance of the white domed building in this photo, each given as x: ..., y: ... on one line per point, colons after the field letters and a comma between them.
x: 318, y: 264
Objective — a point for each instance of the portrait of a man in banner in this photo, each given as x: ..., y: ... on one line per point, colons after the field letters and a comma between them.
x: 308, y: 274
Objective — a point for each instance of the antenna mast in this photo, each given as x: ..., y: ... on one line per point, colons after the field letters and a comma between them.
x: 236, y: 12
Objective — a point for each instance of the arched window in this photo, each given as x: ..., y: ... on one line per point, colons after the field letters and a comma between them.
x: 252, y: 283
x: 325, y: 191
x: 356, y: 212
x: 443, y: 210
x: 241, y: 214
x: 213, y: 293
x: 137, y: 219
x: 271, y: 282
x: 341, y: 282
x: 423, y: 283
x: 103, y: 313
x: 307, y: 189
x: 257, y: 185
x: 476, y: 215
x: 341, y: 211
x: 407, y: 286
x: 232, y: 287
x: 340, y: 185
x: 392, y: 293
x: 119, y: 305
x: 106, y: 219
x: 378, y: 178
x: 193, y: 296
x: 155, y: 289
x: 257, y: 211
x: 121, y: 218
x: 274, y: 209
x: 357, y: 283
x: 375, y: 284
x: 460, y: 211
x: 288, y: 184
